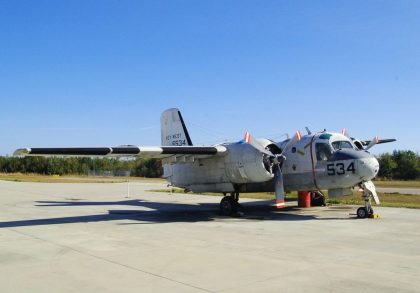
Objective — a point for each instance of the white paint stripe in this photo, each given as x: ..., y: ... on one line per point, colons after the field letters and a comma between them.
x: 151, y: 149
x: 220, y: 149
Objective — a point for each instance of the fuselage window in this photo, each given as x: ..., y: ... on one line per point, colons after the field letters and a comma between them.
x: 323, y: 151
x: 337, y: 145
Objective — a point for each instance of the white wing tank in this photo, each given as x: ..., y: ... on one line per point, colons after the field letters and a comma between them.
x: 245, y: 164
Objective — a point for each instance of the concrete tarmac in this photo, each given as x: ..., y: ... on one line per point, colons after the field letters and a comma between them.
x: 414, y: 191
x: 93, y: 238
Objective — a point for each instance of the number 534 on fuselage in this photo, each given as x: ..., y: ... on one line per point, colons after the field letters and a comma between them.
x: 312, y: 162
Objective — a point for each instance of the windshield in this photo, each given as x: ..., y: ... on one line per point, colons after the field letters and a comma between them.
x: 344, y: 144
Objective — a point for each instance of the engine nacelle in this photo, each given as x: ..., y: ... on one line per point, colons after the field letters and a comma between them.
x: 357, y: 143
x: 245, y: 164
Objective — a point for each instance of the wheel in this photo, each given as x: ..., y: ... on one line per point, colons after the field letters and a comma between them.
x: 228, y: 206
x: 362, y: 213
x: 317, y: 200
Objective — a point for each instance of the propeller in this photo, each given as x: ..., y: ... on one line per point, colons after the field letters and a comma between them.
x: 276, y: 161
x: 357, y: 142
x: 374, y: 141
x: 251, y: 141
x: 366, y: 144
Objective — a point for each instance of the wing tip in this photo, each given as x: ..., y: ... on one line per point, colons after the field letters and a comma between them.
x: 22, y: 152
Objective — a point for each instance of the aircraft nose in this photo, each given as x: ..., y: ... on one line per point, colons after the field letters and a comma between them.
x: 368, y: 168
x: 367, y: 164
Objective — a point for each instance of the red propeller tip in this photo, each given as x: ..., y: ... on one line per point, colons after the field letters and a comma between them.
x: 247, y: 138
x: 280, y: 204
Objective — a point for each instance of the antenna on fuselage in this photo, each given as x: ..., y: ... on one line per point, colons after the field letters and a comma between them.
x: 308, y: 131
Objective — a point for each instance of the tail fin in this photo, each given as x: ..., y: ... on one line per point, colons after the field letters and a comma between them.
x: 173, y: 130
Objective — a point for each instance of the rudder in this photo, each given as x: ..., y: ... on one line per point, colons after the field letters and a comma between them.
x: 173, y: 129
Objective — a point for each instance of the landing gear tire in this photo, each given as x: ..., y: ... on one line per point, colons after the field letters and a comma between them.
x: 363, y: 213
x: 317, y: 199
x: 228, y: 206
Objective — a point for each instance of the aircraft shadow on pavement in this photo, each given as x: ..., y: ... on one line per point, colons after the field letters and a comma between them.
x: 157, y: 212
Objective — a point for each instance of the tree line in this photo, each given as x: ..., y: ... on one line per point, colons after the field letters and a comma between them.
x: 402, y: 165
x: 81, y: 166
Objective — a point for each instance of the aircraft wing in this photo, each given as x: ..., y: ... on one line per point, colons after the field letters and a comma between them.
x: 160, y: 152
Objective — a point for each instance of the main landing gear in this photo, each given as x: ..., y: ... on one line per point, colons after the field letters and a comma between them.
x: 318, y: 199
x: 229, y: 204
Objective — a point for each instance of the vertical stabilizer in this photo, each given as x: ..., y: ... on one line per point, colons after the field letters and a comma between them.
x: 173, y: 130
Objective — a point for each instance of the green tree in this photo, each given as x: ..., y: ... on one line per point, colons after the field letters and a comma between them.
x: 407, y: 165
x: 3, y: 162
x: 387, y: 166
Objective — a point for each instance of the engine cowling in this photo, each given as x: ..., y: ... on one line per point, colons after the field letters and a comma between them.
x: 245, y: 164
x: 357, y: 143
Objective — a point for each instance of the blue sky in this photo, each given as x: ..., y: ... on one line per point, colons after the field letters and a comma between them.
x: 99, y: 73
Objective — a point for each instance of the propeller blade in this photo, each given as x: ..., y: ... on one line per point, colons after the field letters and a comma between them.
x: 344, y: 132
x: 253, y: 142
x: 374, y: 141
x: 366, y: 142
x: 386, y: 140
x: 279, y: 188
x: 247, y: 138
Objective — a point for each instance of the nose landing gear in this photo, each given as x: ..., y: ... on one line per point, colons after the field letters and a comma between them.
x: 369, y: 192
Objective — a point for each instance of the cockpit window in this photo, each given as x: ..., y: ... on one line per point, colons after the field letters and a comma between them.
x: 337, y: 145
x: 323, y: 151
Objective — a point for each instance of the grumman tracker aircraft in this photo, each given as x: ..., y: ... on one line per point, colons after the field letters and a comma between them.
x: 312, y: 162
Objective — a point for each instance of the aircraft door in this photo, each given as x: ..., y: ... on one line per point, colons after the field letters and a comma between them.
x: 297, y: 168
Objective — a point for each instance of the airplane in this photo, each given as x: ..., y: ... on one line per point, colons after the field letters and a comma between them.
x: 313, y: 162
